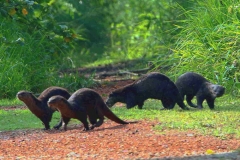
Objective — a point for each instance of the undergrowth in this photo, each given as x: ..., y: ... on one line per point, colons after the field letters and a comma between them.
x: 209, y: 42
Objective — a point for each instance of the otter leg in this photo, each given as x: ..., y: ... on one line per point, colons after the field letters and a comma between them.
x: 140, y: 105
x: 180, y: 103
x: 93, y: 121
x: 85, y: 124
x: 131, y: 100
x: 100, y: 121
x: 210, y: 103
x: 45, y: 122
x: 92, y: 116
x: 65, y: 122
x: 97, y: 124
x: 83, y: 118
x: 200, y: 100
x: 168, y: 103
x: 57, y: 126
x: 189, y: 101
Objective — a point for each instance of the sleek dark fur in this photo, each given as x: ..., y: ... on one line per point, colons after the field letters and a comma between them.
x: 84, y: 103
x: 38, y: 106
x: 192, y: 84
x: 153, y: 85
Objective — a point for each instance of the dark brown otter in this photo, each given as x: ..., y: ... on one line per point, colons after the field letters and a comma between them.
x: 153, y: 85
x: 84, y: 103
x: 192, y: 84
x: 38, y: 106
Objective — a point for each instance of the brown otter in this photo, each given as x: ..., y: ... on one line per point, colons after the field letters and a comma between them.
x: 153, y: 85
x: 38, y: 106
x: 192, y: 84
x: 82, y: 104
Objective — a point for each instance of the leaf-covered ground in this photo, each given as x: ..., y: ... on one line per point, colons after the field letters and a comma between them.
x: 110, y: 141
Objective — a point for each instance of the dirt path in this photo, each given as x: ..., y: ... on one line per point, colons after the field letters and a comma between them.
x: 110, y: 141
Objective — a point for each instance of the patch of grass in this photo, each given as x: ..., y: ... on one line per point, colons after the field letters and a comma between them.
x: 9, y: 102
x: 24, y: 119
x: 221, y: 122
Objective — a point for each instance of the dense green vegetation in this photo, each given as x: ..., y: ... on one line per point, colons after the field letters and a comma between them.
x: 209, y: 41
x: 40, y: 39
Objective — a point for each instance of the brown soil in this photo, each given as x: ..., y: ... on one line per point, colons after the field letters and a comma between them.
x: 110, y: 141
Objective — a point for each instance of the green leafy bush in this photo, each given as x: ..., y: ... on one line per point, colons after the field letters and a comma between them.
x: 33, y: 45
x: 209, y: 41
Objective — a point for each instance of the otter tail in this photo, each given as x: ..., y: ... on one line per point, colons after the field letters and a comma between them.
x: 110, y: 115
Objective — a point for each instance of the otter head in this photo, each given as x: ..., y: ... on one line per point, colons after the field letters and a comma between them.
x: 54, y: 101
x: 118, y: 95
x: 113, y: 98
x: 217, y: 90
x: 24, y: 95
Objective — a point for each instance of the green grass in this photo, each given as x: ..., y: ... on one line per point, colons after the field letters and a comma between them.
x: 9, y: 102
x: 221, y: 122
x: 22, y: 119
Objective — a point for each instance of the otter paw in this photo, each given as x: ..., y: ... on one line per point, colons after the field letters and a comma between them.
x: 56, y: 127
x: 140, y: 107
x: 92, y: 127
x: 163, y: 109
x: 85, y: 129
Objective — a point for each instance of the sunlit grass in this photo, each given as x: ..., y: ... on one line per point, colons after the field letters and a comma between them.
x: 9, y: 102
x: 221, y: 122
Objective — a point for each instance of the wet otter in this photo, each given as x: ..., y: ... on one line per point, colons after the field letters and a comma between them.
x: 38, y: 106
x: 153, y: 85
x: 192, y: 84
x: 84, y: 103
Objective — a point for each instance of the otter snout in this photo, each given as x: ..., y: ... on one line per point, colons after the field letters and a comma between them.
x: 22, y: 94
x: 19, y: 95
x: 110, y: 102
x: 218, y: 90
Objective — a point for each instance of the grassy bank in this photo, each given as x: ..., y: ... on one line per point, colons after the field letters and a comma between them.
x: 221, y: 122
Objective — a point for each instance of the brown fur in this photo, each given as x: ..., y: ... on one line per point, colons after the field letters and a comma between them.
x: 84, y: 103
x: 38, y: 106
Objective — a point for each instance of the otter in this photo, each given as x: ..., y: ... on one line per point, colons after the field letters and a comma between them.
x: 84, y: 103
x: 38, y: 106
x: 192, y: 84
x: 153, y: 85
